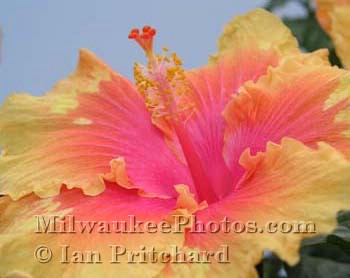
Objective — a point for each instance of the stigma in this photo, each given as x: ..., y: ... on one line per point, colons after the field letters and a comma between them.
x: 144, y: 39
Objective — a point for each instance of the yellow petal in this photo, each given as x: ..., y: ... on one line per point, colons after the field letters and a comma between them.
x: 341, y: 33
x: 296, y: 183
x: 334, y: 16
x: 26, y: 121
x: 257, y: 28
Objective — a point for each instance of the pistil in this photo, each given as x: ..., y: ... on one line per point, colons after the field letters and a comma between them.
x: 164, y: 86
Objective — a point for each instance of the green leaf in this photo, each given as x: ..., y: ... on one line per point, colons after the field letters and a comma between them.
x: 327, y: 255
x: 344, y: 218
x: 271, y: 266
x: 308, y: 31
x: 314, y: 240
x: 341, y: 235
x: 273, y: 5
x: 310, y: 267
x: 311, y: 36
x: 276, y: 4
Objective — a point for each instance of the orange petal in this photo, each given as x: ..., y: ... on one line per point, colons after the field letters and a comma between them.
x: 303, y: 99
x: 20, y: 222
x: 291, y: 183
x: 70, y: 136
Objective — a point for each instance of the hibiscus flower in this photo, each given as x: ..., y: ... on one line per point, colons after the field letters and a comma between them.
x: 260, y: 134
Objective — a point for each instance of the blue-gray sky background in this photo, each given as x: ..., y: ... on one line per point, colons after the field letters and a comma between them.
x: 42, y: 38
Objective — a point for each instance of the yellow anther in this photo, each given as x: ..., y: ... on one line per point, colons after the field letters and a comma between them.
x: 163, y: 84
x: 176, y: 59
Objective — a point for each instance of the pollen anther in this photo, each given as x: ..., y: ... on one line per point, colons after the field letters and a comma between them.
x: 162, y: 82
